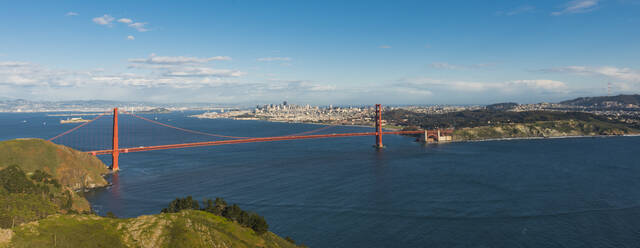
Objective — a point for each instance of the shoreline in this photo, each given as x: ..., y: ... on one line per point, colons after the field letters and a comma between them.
x: 551, y: 137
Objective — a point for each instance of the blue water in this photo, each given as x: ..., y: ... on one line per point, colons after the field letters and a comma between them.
x: 575, y: 192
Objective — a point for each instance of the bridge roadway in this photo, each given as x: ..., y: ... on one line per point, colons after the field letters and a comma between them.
x: 248, y: 140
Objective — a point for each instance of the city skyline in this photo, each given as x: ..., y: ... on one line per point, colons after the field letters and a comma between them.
x: 320, y: 52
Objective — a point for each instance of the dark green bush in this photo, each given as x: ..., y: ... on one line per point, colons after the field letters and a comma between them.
x: 221, y: 208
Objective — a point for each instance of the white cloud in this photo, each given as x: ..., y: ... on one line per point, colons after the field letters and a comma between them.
x: 385, y: 47
x: 522, y: 86
x: 71, y: 13
x: 21, y: 74
x: 626, y: 87
x: 30, y: 75
x: 125, y: 20
x: 178, y: 60
x: 577, y: 6
x: 413, y: 91
x: 202, y: 72
x: 140, y: 26
x: 186, y: 68
x: 278, y: 85
x: 431, y: 84
x: 131, y: 37
x: 445, y: 65
x: 520, y: 10
x: 322, y: 88
x: 105, y: 20
x: 191, y: 81
x: 626, y: 74
x: 269, y: 59
x: 543, y: 84
x: 219, y: 58
x: 13, y: 64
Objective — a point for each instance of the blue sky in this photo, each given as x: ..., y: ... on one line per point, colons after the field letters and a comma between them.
x: 319, y: 52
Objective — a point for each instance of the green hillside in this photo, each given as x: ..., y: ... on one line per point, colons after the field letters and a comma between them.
x: 39, y: 208
x: 39, y: 178
x: 188, y: 228
x: 542, y: 129
x: 71, y: 168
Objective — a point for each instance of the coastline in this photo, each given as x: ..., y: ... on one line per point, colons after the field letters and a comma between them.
x: 551, y: 137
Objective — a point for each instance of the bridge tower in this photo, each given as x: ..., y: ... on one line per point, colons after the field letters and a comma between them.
x: 378, y: 126
x: 116, y: 152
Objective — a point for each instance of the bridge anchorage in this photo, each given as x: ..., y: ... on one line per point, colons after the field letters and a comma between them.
x: 116, y: 150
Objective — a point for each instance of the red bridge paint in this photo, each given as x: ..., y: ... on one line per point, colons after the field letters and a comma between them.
x: 115, y: 153
x: 378, y: 126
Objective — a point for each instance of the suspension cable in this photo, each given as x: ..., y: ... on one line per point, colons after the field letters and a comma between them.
x: 216, y: 135
x: 76, y: 128
x: 184, y: 129
x: 312, y: 131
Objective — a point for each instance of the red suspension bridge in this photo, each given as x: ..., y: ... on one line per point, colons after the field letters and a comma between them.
x: 115, y: 150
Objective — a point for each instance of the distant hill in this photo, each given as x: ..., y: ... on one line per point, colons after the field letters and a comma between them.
x: 604, y: 101
x: 154, y: 111
x: 502, y: 106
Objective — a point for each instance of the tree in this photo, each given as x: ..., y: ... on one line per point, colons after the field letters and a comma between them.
x: 233, y: 213
x: 220, y: 206
x: 287, y: 238
x: 258, y: 224
x: 244, y: 218
x: 14, y: 180
x: 181, y: 204
x: 210, y: 207
x: 68, y: 203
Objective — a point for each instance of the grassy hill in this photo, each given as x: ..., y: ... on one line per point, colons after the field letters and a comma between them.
x: 39, y: 178
x: 187, y: 228
x: 39, y: 208
x: 74, y: 169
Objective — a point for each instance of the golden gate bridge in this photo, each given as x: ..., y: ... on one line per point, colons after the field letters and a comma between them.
x: 115, y: 150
